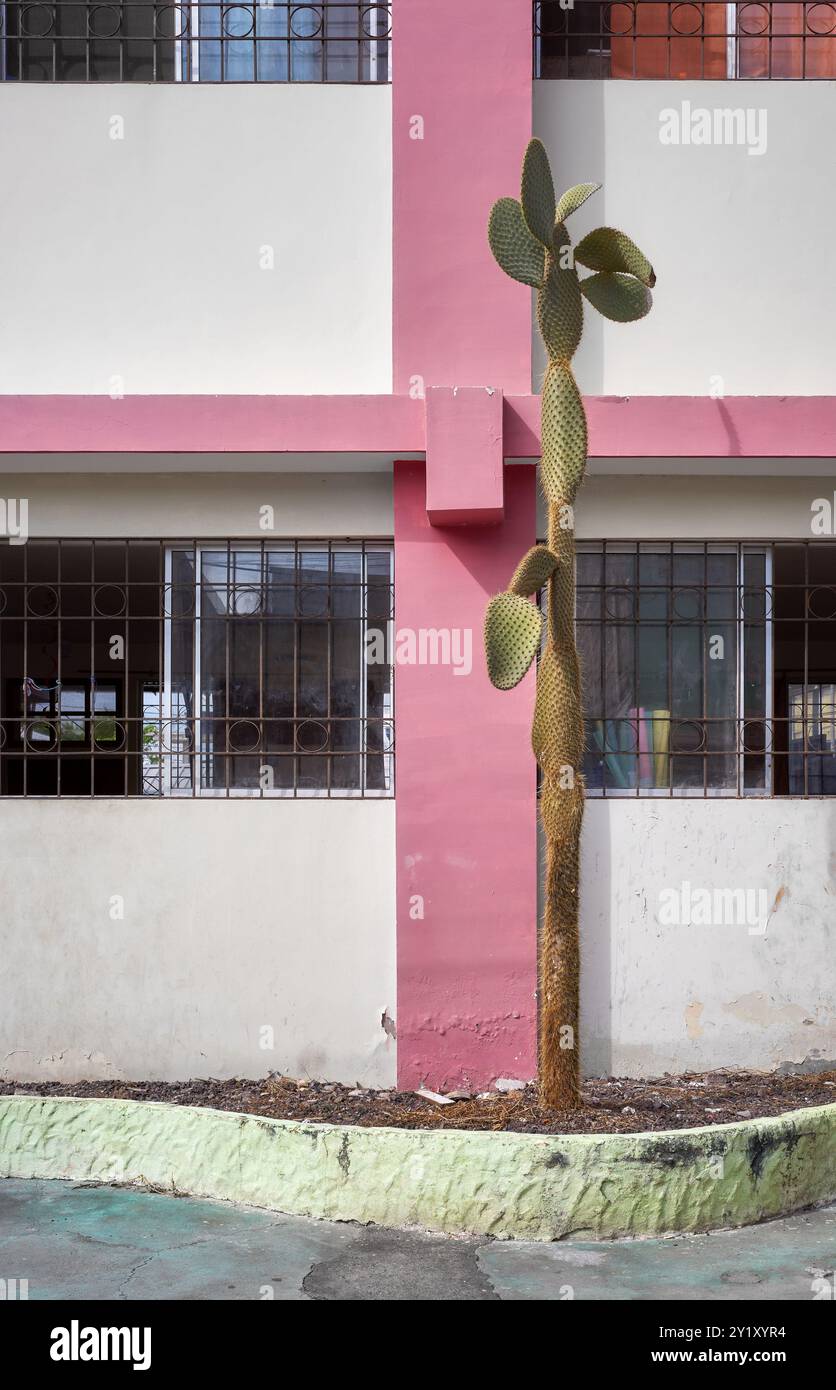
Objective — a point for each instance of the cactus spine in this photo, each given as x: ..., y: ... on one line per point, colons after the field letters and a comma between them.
x: 531, y: 244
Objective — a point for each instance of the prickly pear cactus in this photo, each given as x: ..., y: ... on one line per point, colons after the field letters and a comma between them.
x: 531, y: 244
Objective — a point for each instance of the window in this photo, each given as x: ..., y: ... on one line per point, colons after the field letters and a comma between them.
x: 137, y: 668
x: 194, y: 41
x: 709, y: 669
x: 646, y: 39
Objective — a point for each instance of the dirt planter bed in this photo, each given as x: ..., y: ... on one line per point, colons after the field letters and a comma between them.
x: 524, y: 1186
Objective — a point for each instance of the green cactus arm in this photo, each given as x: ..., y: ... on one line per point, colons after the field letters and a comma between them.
x: 619, y: 297
x: 564, y: 435
x: 533, y: 571
x: 574, y: 198
x: 515, y: 250
x: 559, y: 304
x: 537, y: 196
x: 608, y: 249
x: 513, y: 631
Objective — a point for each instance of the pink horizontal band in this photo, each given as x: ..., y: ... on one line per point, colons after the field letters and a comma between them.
x: 620, y: 427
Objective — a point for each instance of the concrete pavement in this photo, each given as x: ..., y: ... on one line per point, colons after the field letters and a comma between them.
x: 74, y: 1241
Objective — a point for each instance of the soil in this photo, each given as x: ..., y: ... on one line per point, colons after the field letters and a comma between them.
x: 613, y: 1105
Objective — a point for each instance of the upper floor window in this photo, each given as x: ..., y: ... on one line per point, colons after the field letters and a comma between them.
x: 709, y: 669
x: 646, y: 39
x: 143, y: 668
x: 194, y: 41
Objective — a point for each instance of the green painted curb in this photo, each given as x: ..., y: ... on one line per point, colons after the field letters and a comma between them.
x: 523, y: 1186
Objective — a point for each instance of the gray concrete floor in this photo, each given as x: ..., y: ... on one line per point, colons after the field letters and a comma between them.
x: 74, y: 1241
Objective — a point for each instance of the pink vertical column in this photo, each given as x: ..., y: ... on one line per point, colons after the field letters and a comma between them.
x: 465, y: 794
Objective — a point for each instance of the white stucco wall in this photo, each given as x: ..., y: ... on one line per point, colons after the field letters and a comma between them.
x: 741, y: 243
x: 239, y: 916
x: 138, y: 259
x: 680, y: 998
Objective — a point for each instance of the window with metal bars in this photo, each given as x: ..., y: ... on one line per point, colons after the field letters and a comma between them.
x: 709, y: 669
x: 647, y: 40
x: 148, y: 668
x: 193, y: 41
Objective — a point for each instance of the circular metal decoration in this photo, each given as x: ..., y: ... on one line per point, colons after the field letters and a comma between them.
x: 687, y: 736
x: 41, y: 735
x: 626, y: 12
x: 109, y: 601
x: 110, y: 745
x: 244, y: 736
x: 3, y: 601
x: 625, y: 734
x: 312, y: 601
x: 687, y: 605
x: 821, y: 19
x: 755, y: 605
x: 178, y: 601
x: 305, y: 22
x: 380, y: 737
x: 36, y: 21
x: 103, y: 21
x: 311, y: 736
x: 371, y: 18
x: 171, y: 21
x: 176, y: 736
x: 2, y: 735
x: 753, y: 736
x: 376, y: 609
x: 821, y: 602
x: 237, y: 22
x: 42, y: 600
x: 246, y: 600
x: 687, y: 19
x: 753, y: 19
x: 628, y: 609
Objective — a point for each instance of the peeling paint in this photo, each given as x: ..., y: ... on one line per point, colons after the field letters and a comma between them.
x: 693, y: 1017
x: 760, y: 1009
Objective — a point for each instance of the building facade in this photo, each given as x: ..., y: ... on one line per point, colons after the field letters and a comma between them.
x: 269, y: 423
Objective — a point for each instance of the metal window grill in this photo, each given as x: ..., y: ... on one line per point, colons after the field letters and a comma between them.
x: 194, y: 41
x: 709, y: 668
x: 648, y: 40
x: 202, y: 668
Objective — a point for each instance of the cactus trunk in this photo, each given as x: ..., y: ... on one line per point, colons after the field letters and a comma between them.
x: 559, y: 750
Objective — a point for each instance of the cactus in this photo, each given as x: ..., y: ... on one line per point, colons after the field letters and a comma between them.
x: 531, y: 244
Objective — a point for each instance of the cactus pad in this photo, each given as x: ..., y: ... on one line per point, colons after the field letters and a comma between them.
x: 513, y: 629
x: 518, y: 253
x: 560, y: 311
x: 537, y: 195
x: 573, y: 199
x: 619, y: 297
x: 608, y: 249
x: 533, y: 571
x: 564, y: 438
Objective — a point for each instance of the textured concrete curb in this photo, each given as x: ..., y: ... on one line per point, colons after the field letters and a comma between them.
x: 525, y: 1186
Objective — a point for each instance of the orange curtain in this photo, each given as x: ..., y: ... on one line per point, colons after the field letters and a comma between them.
x: 803, y: 42
x: 691, y: 43
x: 778, y: 40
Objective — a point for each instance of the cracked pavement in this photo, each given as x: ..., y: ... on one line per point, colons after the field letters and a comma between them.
x: 93, y: 1241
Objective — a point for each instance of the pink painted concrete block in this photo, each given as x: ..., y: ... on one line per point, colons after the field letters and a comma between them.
x: 465, y: 804
x: 464, y: 455
x: 461, y: 119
